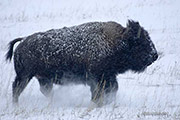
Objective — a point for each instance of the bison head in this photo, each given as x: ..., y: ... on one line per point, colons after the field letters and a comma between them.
x: 141, y: 50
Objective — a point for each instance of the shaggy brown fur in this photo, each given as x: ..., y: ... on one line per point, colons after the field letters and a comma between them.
x: 92, y: 53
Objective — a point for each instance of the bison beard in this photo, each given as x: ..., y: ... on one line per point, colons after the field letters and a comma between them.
x: 94, y: 53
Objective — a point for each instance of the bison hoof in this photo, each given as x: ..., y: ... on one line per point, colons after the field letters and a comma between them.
x: 104, y: 99
x: 15, y: 102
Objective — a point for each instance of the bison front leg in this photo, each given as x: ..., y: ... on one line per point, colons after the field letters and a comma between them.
x: 104, y: 91
x: 46, y: 86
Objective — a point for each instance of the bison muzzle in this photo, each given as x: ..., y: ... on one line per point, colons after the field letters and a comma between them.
x: 91, y: 53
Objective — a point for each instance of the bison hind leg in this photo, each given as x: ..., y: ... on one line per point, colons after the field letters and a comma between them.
x: 46, y: 86
x: 18, y: 86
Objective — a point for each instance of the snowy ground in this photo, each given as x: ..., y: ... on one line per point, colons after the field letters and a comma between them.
x: 153, y: 94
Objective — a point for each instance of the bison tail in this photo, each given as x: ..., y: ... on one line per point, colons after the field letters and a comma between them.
x: 9, y: 54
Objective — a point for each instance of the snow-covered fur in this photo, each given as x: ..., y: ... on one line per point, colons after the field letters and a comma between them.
x: 91, y: 53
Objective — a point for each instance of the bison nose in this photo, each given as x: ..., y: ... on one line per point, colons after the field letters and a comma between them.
x: 155, y: 56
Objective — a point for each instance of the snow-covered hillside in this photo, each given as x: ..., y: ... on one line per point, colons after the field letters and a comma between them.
x: 153, y: 94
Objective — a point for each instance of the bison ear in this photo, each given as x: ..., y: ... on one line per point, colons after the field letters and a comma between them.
x: 134, y: 27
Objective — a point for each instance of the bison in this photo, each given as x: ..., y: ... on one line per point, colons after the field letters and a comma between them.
x: 92, y: 54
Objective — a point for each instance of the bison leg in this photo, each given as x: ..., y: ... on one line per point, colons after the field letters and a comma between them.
x: 111, y: 89
x: 18, y: 86
x: 104, y: 91
x: 46, y: 86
